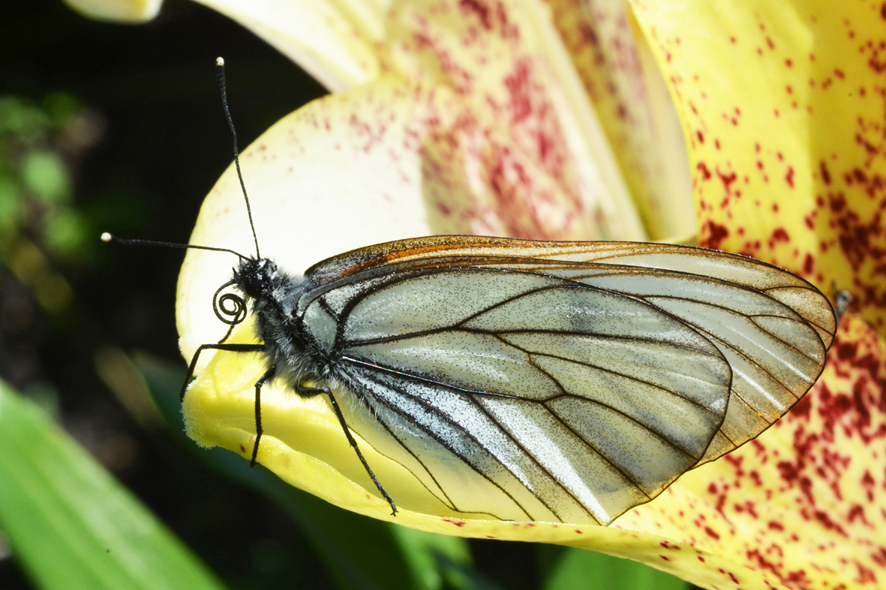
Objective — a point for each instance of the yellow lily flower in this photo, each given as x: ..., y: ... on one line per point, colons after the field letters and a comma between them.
x: 548, y: 120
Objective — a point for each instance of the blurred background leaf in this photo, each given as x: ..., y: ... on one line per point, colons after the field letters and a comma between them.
x: 107, y: 127
x: 73, y: 526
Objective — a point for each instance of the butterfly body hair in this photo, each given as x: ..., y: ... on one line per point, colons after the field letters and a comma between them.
x: 287, y: 346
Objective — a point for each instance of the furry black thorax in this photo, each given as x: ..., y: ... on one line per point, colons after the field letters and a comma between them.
x: 279, y: 323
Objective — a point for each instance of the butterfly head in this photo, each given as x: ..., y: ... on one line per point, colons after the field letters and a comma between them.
x: 255, y: 276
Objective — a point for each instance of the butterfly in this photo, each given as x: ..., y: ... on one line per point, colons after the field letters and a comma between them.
x: 525, y: 380
x: 528, y: 380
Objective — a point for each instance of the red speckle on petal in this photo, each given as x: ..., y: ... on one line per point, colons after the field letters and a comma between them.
x: 856, y: 512
x: 727, y: 179
x: 825, y: 175
x: 713, y: 234
x: 479, y: 9
x: 712, y: 533
x: 808, y: 264
x: 705, y: 173
x: 802, y: 409
x: 789, y: 177
x: 825, y: 519
x: 867, y: 482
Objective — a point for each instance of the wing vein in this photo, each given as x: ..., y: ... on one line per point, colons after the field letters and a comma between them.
x: 481, y: 409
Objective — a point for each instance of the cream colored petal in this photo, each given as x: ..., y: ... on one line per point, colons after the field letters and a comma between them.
x: 509, y: 65
x: 334, y: 41
x: 512, y: 72
x: 127, y: 11
x: 620, y: 76
x: 342, y: 173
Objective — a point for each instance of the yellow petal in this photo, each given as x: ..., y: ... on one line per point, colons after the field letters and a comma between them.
x: 127, y: 11
x: 782, y: 105
x: 800, y: 505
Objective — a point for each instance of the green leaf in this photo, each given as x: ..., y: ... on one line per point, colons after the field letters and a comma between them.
x: 576, y: 568
x: 70, y: 524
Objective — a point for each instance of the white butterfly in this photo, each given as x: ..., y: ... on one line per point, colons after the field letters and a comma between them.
x: 555, y: 381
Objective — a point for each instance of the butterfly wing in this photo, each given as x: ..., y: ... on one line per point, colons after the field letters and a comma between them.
x: 565, y: 382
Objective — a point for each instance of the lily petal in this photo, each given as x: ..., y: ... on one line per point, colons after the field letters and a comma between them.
x: 336, y: 42
x: 310, y: 453
x: 619, y: 74
x: 763, y: 151
x: 801, y: 503
x: 784, y: 115
x: 127, y: 11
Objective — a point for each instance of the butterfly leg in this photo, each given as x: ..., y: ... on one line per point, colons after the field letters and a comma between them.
x: 258, y: 429
x: 341, y: 418
x: 228, y: 347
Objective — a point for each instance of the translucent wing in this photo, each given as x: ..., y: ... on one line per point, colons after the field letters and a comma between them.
x: 562, y: 381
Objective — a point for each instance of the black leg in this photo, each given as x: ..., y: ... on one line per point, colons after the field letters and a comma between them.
x: 228, y: 347
x: 325, y: 390
x: 258, y: 429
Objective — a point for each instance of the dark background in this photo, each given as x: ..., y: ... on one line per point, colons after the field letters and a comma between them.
x: 149, y: 98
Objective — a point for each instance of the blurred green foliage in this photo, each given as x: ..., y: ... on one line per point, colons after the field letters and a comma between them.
x: 35, y: 185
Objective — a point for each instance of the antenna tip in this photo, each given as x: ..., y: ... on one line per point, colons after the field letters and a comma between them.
x: 106, y: 237
x: 220, y: 61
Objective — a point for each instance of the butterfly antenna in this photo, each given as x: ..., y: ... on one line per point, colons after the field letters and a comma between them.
x: 220, y: 72
x: 111, y: 239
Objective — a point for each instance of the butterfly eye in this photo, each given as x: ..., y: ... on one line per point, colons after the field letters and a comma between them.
x: 254, y: 277
x: 253, y: 284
